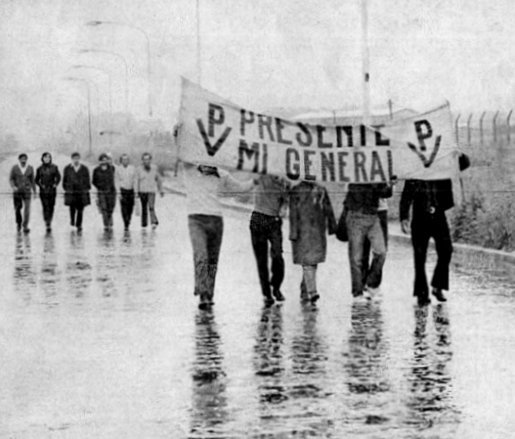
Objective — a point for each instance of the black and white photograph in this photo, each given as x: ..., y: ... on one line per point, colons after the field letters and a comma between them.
x: 257, y: 219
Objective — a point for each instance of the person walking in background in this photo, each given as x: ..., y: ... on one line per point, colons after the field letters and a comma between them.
x: 23, y: 186
x: 103, y: 180
x: 311, y: 217
x: 361, y: 204
x: 148, y: 183
x: 48, y: 178
x: 430, y: 200
x: 76, y: 185
x: 270, y: 195
x: 125, y: 181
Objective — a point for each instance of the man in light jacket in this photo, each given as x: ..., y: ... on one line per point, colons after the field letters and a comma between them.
x: 148, y: 183
x: 23, y: 185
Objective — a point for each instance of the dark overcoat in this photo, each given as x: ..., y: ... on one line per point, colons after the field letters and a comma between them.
x: 76, y: 185
x: 311, y: 218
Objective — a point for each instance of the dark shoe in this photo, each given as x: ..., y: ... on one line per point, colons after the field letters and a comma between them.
x: 314, y: 297
x: 48, y: 229
x: 26, y: 230
x: 278, y: 295
x: 269, y: 300
x: 438, y: 293
x: 204, y: 306
x: 423, y: 300
x: 18, y: 227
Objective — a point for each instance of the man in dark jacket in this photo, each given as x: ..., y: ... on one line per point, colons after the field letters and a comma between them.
x: 47, y: 178
x: 361, y: 204
x: 103, y: 180
x: 430, y: 200
x: 76, y: 185
x: 22, y: 183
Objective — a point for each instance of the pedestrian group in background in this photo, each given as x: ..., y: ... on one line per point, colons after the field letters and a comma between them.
x: 363, y: 223
x: 110, y: 181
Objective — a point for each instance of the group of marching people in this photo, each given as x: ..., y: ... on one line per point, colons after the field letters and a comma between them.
x: 363, y: 224
x: 110, y: 181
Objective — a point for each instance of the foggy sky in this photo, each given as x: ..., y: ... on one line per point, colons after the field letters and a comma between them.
x: 258, y: 53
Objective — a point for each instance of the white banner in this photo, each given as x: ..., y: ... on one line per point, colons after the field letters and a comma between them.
x: 215, y: 132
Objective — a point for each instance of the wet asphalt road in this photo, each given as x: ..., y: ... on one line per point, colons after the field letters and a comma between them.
x: 100, y: 337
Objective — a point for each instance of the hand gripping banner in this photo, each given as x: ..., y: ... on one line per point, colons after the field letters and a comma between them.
x: 215, y: 132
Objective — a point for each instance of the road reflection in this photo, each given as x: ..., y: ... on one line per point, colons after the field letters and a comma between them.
x: 430, y: 385
x: 269, y: 365
x: 24, y: 278
x: 78, y: 269
x: 209, y: 407
x: 49, y: 277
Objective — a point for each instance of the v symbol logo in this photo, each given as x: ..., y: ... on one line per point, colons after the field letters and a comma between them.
x: 427, y: 161
x: 212, y: 149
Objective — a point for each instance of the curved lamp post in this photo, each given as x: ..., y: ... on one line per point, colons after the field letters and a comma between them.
x: 96, y: 23
x: 120, y: 57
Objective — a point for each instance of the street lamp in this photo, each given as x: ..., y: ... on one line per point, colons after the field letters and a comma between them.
x: 109, y: 78
x: 96, y: 23
x: 88, y: 94
x: 117, y: 55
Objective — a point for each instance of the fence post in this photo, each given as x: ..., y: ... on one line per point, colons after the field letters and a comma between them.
x: 457, y: 130
x: 508, y: 126
x: 495, y: 125
x: 481, y: 127
x: 468, y: 129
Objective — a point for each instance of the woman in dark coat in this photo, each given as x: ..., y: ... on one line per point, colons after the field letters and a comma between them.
x: 311, y: 217
x: 48, y: 178
x: 103, y: 180
x: 76, y: 185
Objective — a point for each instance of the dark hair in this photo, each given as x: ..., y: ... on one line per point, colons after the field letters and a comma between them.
x: 46, y: 154
x: 75, y: 154
x: 102, y: 157
x: 146, y: 154
x: 23, y: 156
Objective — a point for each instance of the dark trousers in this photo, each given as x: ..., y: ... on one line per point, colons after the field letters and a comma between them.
x: 206, y: 232
x: 148, y: 203
x: 265, y: 229
x: 76, y: 212
x: 365, y: 264
x: 106, y: 204
x: 127, y: 205
x: 48, y: 205
x: 425, y: 226
x: 22, y: 202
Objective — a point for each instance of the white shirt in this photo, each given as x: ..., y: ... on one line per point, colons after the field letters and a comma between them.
x: 125, y: 177
x: 23, y: 169
x: 203, y: 190
x: 383, y: 205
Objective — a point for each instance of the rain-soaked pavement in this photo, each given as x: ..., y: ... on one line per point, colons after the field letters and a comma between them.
x: 100, y: 337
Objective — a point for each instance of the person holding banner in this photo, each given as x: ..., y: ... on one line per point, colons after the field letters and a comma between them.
x: 430, y: 200
x: 270, y: 196
x: 361, y: 204
x: 203, y: 185
x: 311, y: 217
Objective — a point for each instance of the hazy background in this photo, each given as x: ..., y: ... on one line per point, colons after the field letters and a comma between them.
x: 260, y: 53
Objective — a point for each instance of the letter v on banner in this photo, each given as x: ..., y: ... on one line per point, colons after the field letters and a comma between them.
x: 424, y: 146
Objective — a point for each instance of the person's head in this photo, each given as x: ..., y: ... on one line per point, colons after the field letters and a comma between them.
x: 75, y: 158
x: 103, y: 159
x: 46, y: 158
x: 146, y: 159
x: 22, y: 158
x: 125, y: 160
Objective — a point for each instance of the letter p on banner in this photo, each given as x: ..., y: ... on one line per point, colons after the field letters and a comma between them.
x: 424, y: 146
